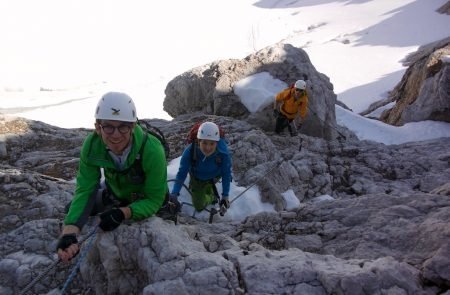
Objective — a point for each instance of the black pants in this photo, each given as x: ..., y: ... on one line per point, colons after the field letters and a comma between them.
x: 99, y: 201
x: 102, y: 200
x: 283, y: 122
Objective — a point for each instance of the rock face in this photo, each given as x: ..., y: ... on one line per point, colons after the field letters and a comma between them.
x: 385, y: 231
x: 209, y: 89
x: 445, y: 9
x: 424, y: 91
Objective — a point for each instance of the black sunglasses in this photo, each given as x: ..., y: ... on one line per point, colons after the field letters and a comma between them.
x: 298, y: 90
x: 109, y: 129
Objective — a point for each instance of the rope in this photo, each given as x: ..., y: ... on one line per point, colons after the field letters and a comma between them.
x: 39, y: 277
x: 182, y: 183
x: 258, y: 180
x: 80, y: 259
x: 187, y: 189
x: 51, y: 266
x: 211, y: 211
x: 345, y: 138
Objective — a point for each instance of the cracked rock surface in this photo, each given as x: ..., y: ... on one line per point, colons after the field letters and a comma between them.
x: 386, y: 229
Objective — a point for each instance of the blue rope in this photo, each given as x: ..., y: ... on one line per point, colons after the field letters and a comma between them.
x: 80, y: 259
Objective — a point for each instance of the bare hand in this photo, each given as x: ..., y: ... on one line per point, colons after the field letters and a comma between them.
x: 67, y: 247
x: 69, y: 253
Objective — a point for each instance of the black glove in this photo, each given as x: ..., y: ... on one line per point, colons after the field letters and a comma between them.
x: 66, y: 240
x: 224, y: 205
x: 225, y: 202
x: 173, y: 198
x: 174, y: 204
x: 111, y: 219
x: 275, y: 113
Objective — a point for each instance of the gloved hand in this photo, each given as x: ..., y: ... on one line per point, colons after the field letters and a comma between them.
x: 66, y: 241
x: 224, y: 205
x: 174, y: 203
x: 225, y: 202
x: 111, y: 219
x: 275, y: 113
x: 173, y: 198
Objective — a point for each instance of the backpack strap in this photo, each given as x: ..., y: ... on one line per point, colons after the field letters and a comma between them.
x: 139, y: 155
x: 156, y: 132
x: 135, y: 171
x: 193, y: 158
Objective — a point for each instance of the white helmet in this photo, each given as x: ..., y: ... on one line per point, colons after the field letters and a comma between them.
x: 116, y: 106
x: 208, y: 130
x: 300, y: 84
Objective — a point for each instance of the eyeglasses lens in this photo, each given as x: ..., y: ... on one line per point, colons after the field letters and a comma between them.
x: 109, y: 129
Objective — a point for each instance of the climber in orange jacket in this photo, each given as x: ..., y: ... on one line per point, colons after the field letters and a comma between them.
x: 290, y: 103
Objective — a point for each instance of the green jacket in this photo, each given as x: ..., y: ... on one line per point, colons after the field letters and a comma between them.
x: 152, y: 188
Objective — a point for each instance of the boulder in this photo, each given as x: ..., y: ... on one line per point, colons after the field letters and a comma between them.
x: 445, y: 9
x: 209, y: 89
x: 424, y: 91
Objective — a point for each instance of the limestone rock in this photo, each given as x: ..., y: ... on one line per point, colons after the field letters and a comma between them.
x: 384, y: 231
x: 445, y: 9
x: 424, y: 91
x: 209, y: 89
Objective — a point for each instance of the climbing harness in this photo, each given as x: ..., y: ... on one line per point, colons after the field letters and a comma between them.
x: 213, y: 211
x: 222, y: 209
x: 54, y: 263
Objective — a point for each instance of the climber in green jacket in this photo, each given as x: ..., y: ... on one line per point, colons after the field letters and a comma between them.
x: 134, y: 172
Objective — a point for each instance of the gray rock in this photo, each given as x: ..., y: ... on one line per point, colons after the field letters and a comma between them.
x: 383, y: 230
x: 209, y: 89
x: 424, y: 91
x: 437, y: 268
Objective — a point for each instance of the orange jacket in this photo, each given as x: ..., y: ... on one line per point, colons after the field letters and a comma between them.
x: 290, y: 106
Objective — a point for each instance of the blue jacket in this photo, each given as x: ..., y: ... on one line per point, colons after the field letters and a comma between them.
x: 206, y: 168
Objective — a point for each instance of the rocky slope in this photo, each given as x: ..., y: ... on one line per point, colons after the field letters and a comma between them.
x: 373, y: 219
x: 386, y: 232
x: 424, y: 91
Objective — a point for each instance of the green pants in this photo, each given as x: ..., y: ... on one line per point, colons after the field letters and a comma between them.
x: 203, y: 193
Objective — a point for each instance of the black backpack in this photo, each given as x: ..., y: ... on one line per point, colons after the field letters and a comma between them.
x: 156, y: 132
x: 136, y: 172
